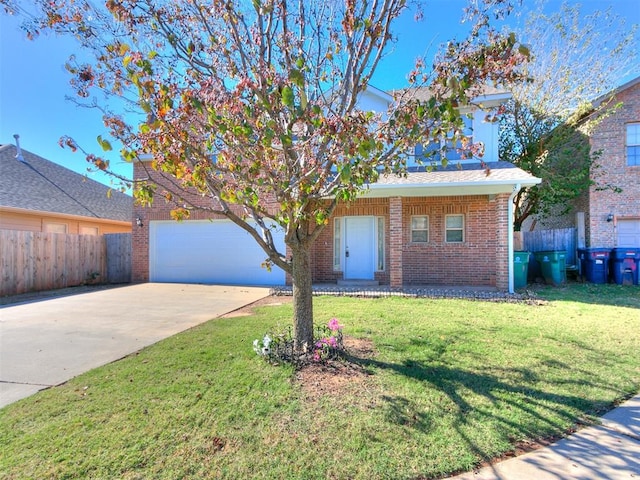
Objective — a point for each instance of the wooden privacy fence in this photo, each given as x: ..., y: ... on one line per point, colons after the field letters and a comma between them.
x: 36, y: 261
x: 118, y: 247
x: 557, y: 239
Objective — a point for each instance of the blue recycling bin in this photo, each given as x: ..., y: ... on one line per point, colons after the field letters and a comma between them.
x: 594, y: 264
x: 625, y: 263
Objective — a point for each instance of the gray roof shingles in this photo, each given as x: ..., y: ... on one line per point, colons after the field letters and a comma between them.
x: 424, y: 93
x: 41, y: 185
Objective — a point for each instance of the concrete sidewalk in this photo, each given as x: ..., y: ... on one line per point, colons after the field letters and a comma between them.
x: 608, y: 451
x: 46, y: 343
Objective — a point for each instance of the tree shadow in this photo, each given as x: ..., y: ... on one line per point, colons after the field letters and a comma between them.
x: 457, y: 384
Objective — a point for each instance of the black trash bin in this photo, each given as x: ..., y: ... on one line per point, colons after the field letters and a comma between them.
x: 594, y: 264
x: 624, y: 265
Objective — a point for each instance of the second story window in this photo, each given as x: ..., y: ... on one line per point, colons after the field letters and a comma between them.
x: 432, y: 152
x: 633, y: 144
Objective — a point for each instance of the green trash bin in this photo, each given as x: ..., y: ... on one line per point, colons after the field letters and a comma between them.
x: 553, y: 266
x: 520, y: 269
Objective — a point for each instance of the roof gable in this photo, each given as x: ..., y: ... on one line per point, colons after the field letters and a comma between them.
x: 607, y: 96
x: 41, y: 185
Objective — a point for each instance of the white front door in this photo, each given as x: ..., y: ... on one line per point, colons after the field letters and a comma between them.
x: 359, y: 248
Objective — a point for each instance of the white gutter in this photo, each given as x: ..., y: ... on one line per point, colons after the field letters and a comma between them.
x: 516, y: 189
x: 470, y: 183
x: 435, y: 189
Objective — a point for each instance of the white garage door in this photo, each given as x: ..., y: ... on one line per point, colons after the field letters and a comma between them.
x: 628, y: 233
x: 209, y: 252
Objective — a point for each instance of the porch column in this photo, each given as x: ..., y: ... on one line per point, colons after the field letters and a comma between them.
x: 395, y: 242
x: 502, y: 243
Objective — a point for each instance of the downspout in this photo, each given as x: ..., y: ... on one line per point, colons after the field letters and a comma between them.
x: 516, y: 189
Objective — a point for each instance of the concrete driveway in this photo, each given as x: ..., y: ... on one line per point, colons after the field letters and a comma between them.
x: 46, y: 343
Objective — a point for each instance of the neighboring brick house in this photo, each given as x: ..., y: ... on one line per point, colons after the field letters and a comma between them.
x: 450, y: 226
x: 41, y: 196
x: 613, y: 219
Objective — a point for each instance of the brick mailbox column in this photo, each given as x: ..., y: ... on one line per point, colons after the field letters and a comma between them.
x: 395, y: 242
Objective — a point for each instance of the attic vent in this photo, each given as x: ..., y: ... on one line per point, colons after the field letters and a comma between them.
x: 19, y: 155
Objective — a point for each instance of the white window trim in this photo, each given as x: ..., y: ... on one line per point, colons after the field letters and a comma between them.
x: 446, y: 229
x: 627, y: 144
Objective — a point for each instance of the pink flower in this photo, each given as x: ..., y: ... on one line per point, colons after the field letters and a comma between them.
x: 334, y: 325
x: 332, y: 342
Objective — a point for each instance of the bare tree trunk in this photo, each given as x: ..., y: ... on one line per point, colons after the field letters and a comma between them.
x: 302, y: 298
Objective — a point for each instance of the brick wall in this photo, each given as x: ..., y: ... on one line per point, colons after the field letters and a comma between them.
x: 610, y: 136
x: 472, y: 262
x: 555, y: 220
x: 501, y: 220
x: 396, y: 242
x: 437, y: 262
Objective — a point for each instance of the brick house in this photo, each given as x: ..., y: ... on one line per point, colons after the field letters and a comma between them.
x: 613, y: 219
x: 450, y: 226
x: 608, y: 218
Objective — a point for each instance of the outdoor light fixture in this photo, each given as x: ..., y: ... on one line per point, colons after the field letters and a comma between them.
x: 610, y: 217
x: 139, y: 222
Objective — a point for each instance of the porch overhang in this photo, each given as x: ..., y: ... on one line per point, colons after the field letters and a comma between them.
x: 464, y: 178
x: 445, y: 189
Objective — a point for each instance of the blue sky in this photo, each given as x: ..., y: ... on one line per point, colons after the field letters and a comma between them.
x: 34, y: 84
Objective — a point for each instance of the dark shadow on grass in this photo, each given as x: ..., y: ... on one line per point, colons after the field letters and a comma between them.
x: 519, y: 396
x: 402, y: 412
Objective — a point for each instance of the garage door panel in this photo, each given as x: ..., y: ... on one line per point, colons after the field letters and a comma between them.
x: 628, y: 233
x: 209, y: 252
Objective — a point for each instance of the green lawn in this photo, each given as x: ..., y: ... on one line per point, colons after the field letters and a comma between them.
x: 451, y: 383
